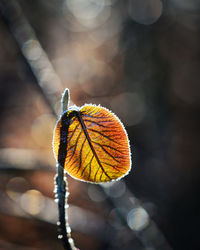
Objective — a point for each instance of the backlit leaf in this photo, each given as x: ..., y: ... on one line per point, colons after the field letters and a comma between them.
x: 91, y: 144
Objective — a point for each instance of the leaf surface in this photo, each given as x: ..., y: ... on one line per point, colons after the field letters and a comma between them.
x: 92, y: 144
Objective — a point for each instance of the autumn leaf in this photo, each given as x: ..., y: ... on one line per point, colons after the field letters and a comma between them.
x: 91, y: 144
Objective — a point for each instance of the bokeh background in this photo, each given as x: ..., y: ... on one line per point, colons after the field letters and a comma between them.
x: 139, y: 58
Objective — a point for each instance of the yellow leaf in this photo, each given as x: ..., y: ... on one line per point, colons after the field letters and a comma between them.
x: 91, y: 144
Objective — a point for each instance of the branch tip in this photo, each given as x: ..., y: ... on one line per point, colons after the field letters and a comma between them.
x: 65, y: 100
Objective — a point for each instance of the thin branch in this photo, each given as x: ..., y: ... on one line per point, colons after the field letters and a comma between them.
x: 49, y: 84
x: 62, y: 193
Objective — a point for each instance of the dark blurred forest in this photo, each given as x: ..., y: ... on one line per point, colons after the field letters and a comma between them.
x: 139, y: 58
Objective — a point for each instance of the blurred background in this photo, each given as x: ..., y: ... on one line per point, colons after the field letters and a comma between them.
x: 139, y: 58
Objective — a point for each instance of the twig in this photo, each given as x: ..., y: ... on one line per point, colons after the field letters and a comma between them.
x: 62, y: 193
